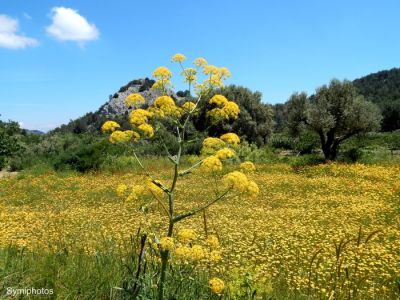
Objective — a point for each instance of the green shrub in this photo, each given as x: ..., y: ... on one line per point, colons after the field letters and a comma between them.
x: 299, y: 162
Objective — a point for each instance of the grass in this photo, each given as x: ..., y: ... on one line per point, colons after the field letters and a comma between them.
x: 299, y: 239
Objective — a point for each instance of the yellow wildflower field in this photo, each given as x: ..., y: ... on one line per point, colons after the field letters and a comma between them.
x: 319, y: 229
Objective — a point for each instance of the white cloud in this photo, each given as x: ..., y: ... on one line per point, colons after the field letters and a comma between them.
x: 9, y: 36
x: 68, y: 25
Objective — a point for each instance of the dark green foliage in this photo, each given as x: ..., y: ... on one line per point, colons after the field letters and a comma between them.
x: 10, y: 141
x: 84, y: 159
x: 183, y: 94
x: 299, y: 162
x: 254, y: 124
x: 383, y: 88
x: 280, y: 117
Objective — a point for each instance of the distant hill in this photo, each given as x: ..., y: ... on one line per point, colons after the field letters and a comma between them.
x: 34, y: 131
x: 383, y: 88
x: 113, y: 109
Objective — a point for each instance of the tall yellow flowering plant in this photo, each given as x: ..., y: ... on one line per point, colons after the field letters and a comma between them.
x: 215, y: 149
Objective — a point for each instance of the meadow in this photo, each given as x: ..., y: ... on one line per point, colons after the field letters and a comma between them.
x: 330, y: 231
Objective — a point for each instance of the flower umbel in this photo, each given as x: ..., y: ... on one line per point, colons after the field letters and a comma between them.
x: 216, y: 285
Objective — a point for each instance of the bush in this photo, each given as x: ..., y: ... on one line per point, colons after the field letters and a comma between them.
x: 84, y: 159
x: 299, y: 162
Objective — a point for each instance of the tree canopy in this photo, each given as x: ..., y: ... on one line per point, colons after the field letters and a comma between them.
x: 336, y: 112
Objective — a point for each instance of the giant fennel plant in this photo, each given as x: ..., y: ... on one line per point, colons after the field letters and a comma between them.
x: 216, y: 150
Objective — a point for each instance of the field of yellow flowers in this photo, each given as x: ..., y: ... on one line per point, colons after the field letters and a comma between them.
x: 325, y: 230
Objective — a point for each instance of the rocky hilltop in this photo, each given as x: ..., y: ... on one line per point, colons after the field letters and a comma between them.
x: 114, y: 108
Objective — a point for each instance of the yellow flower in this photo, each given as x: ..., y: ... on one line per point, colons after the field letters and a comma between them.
x: 252, y: 189
x: 161, y: 84
x: 247, y: 166
x: 118, y: 136
x: 216, y: 285
x: 147, y: 129
x: 162, y: 73
x: 188, y: 106
x: 139, y: 116
x: 166, y: 106
x: 213, y: 143
x: 214, y: 81
x: 164, y: 101
x: 182, y: 252
x: 224, y: 73
x: 212, y: 241
x: 211, y: 164
x: 200, y: 62
x: 210, y: 70
x: 231, y: 110
x: 167, y: 243
x: 197, y: 252
x: 121, y: 189
x: 110, y: 126
x: 190, y: 75
x: 186, y: 235
x: 225, y: 153
x: 215, y: 256
x: 231, y: 138
x: 178, y: 57
x: 136, y: 192
x: 134, y: 99
x: 218, y: 100
x: 132, y: 135
x: 236, y: 180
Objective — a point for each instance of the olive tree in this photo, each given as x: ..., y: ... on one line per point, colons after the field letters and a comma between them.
x: 336, y: 112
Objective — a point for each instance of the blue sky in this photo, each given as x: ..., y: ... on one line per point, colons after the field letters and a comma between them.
x: 61, y: 59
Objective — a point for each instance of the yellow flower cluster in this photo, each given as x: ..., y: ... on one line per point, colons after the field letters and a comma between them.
x: 211, y: 164
x: 186, y: 235
x: 139, y: 116
x: 110, y: 126
x: 247, y: 166
x: 190, y: 75
x: 217, y: 146
x: 167, y: 243
x: 231, y: 138
x: 121, y: 189
x: 213, y: 143
x: 225, y: 153
x: 200, y: 62
x: 212, y: 241
x: 134, y: 99
x: 147, y: 129
x: 216, y: 285
x: 219, y: 100
x: 162, y: 73
x: 197, y: 252
x: 165, y: 106
x: 193, y: 253
x: 188, y: 106
x: 239, y: 182
x: 136, y: 192
x: 119, y: 136
x: 178, y: 57
x: 224, y: 109
x: 132, y: 135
